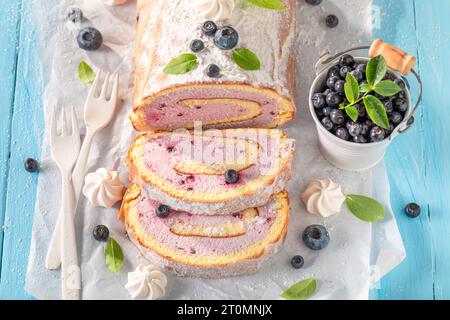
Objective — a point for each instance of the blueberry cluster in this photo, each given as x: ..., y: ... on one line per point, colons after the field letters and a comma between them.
x: 335, y: 120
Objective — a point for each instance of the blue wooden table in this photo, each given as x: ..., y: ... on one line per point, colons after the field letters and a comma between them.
x: 418, y: 162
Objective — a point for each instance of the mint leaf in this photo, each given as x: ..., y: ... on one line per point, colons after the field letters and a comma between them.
x: 352, y: 112
x: 376, y: 70
x: 302, y: 290
x: 364, y: 208
x: 113, y: 255
x: 246, y: 59
x: 182, y: 64
x: 85, y: 72
x: 364, y: 88
x: 269, y: 4
x: 387, y: 88
x: 376, y: 111
x: 351, y: 88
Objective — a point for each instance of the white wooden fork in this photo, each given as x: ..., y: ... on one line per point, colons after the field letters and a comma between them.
x: 98, y: 113
x: 65, y: 148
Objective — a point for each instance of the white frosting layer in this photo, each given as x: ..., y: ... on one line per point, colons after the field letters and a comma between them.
x: 215, y: 9
x: 103, y: 188
x: 323, y: 197
x: 114, y: 2
x: 146, y: 283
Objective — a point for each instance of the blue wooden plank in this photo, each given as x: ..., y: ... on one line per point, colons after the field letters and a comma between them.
x: 9, y: 23
x: 408, y: 168
x: 26, y: 136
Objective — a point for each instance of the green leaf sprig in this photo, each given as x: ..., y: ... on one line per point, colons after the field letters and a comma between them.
x: 355, y: 93
x: 182, y: 64
x: 302, y: 290
x: 268, y: 4
x: 246, y: 59
x: 113, y: 255
x: 364, y: 208
x: 85, y: 72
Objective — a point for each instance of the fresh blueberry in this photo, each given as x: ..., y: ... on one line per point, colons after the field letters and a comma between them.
x: 31, y: 165
x: 326, y: 122
x: 412, y: 210
x: 396, y: 118
x: 331, y: 82
x: 209, y: 28
x: 337, y: 117
x: 197, y: 45
x: 389, y: 106
x: 366, y: 126
x: 339, y: 86
x: 377, y: 134
x: 360, y: 139
x: 101, y: 233
x: 162, y: 211
x: 357, y: 74
x: 389, y: 76
x: 319, y: 113
x: 361, y: 110
x: 401, y: 105
x: 332, y: 21
x: 314, y: 2
x: 318, y: 100
x: 327, y: 111
x: 89, y: 39
x: 361, y: 68
x: 231, y: 176
x: 213, y: 71
x: 74, y: 14
x: 347, y: 60
x: 401, y: 95
x: 333, y: 99
x: 316, y: 237
x: 334, y: 71
x: 297, y: 262
x: 400, y: 83
x: 327, y: 92
x: 344, y: 70
x: 342, y: 133
x: 226, y: 38
x: 354, y: 128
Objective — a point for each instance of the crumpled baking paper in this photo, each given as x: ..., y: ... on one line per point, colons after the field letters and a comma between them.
x: 359, y: 253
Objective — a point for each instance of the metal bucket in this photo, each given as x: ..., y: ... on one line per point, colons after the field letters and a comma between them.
x: 349, y: 155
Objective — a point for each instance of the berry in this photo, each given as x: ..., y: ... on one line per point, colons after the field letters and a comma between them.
x: 347, y: 60
x: 318, y: 100
x: 396, y: 118
x: 366, y: 126
x: 162, y: 211
x: 231, y: 176
x: 74, y: 14
x: 357, y: 74
x: 337, y: 117
x: 89, y: 39
x: 360, y: 139
x: 333, y: 99
x: 326, y: 122
x: 298, y: 262
x: 344, y: 70
x: 319, y: 113
x: 361, y: 110
x: 339, y: 86
x: 354, y: 129
x: 361, y: 68
x: 316, y: 237
x: 31, y: 165
x: 377, y: 134
x: 389, y: 106
x: 401, y: 105
x: 391, y: 129
x: 327, y: 111
x: 332, y: 21
x: 314, y: 2
x: 226, y: 38
x: 327, y: 92
x: 412, y: 210
x: 334, y: 71
x: 101, y: 233
x: 197, y: 45
x: 213, y: 71
x: 400, y: 83
x: 209, y: 28
x: 342, y: 133
x: 331, y: 82
x: 390, y: 76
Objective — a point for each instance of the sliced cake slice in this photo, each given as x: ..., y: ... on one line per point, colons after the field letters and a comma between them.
x: 187, y: 171
x: 205, y: 246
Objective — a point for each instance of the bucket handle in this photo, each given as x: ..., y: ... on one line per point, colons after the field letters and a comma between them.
x: 325, y: 62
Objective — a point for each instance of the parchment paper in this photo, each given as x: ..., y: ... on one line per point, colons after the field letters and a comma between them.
x: 359, y: 253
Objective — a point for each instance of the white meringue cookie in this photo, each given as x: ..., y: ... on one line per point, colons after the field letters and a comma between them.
x: 103, y: 188
x: 215, y: 9
x: 146, y: 283
x: 114, y: 2
x: 323, y: 197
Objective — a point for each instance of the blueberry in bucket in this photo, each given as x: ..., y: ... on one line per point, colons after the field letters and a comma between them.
x: 89, y: 39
